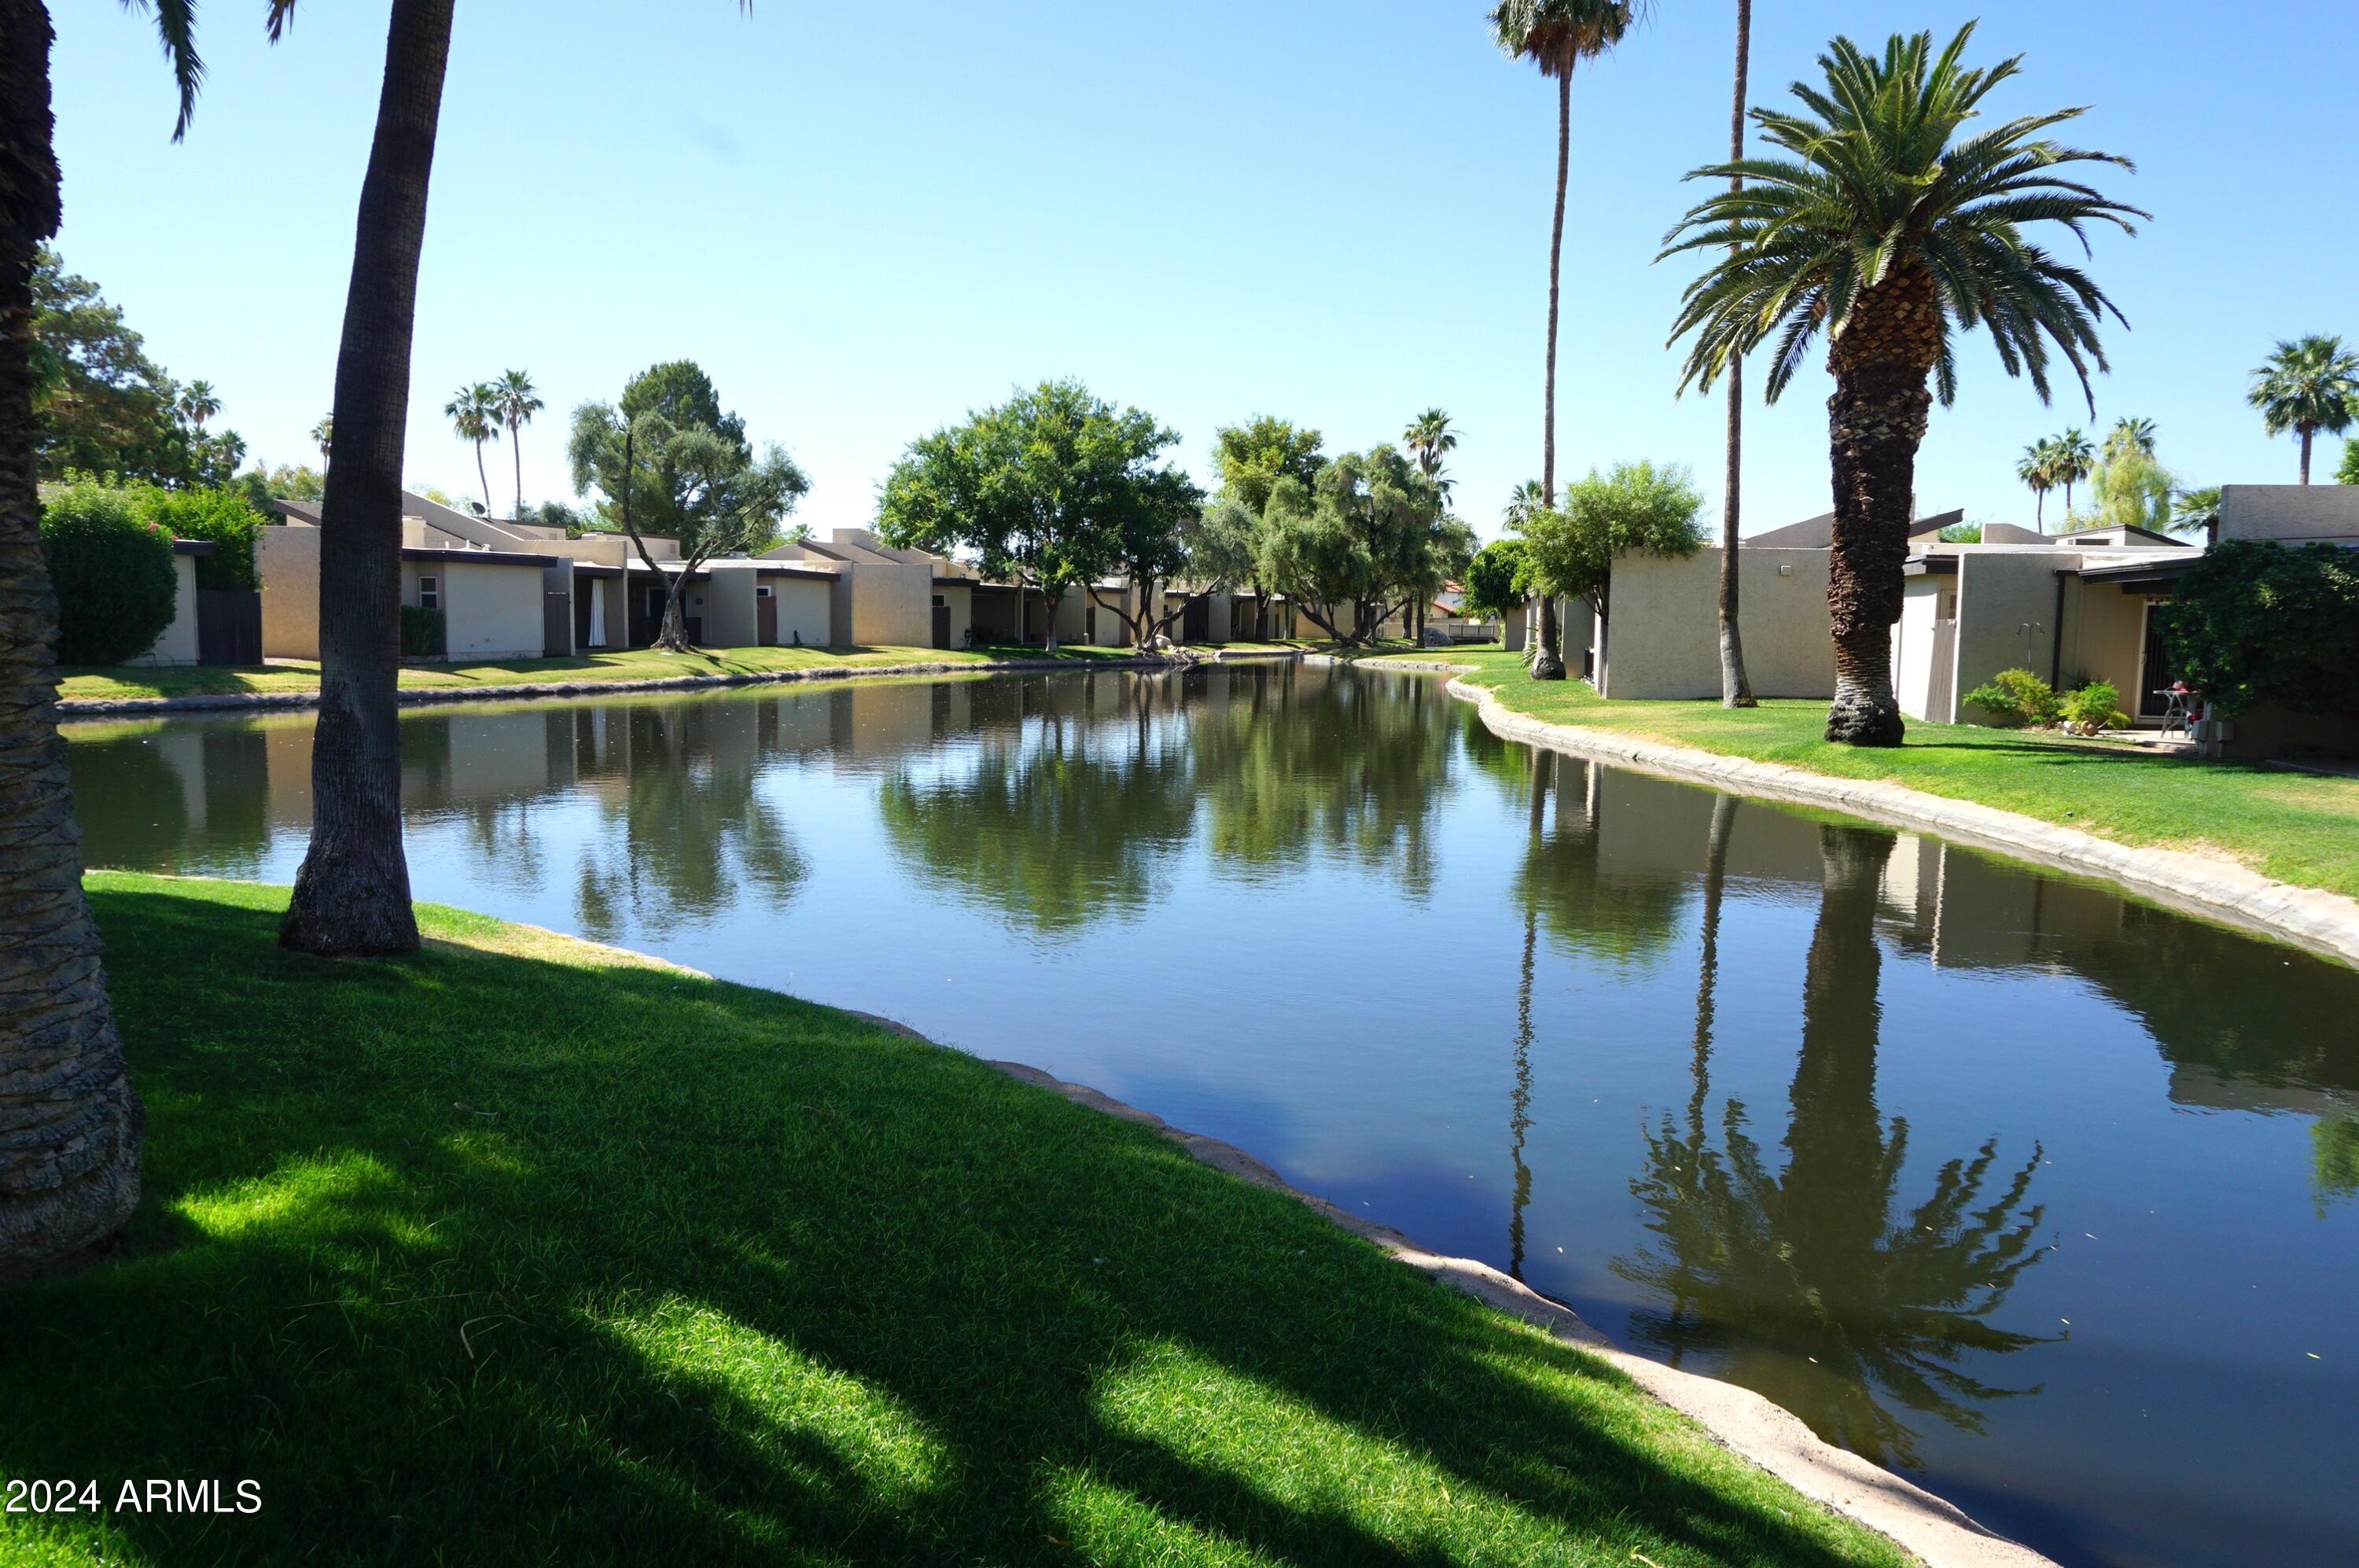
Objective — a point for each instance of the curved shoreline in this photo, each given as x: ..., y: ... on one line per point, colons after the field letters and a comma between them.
x: 2204, y: 886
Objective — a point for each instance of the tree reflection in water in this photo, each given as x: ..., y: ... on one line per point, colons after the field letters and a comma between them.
x: 1810, y: 1285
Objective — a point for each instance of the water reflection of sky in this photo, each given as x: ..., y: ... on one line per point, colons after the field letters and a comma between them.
x: 1291, y: 909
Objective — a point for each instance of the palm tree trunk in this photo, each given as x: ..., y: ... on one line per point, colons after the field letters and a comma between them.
x: 515, y: 450
x: 2039, y: 510
x: 483, y: 479
x: 2306, y: 433
x: 1876, y: 420
x: 352, y: 895
x: 1735, y: 689
x: 1547, y: 662
x: 70, y: 1124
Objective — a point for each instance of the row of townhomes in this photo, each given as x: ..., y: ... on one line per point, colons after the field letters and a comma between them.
x: 2070, y: 607
x: 516, y: 590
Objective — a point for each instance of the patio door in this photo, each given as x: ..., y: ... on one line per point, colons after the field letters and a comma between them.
x: 2156, y: 672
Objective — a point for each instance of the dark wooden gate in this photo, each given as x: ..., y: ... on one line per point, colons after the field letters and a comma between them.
x: 229, y: 626
x: 941, y: 624
x: 1196, y: 622
x: 766, y: 617
x: 556, y: 613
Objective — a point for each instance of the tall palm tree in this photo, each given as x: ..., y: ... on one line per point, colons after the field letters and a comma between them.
x: 2074, y: 460
x: 1736, y: 687
x: 2130, y: 434
x: 1428, y: 439
x: 1883, y: 227
x: 520, y: 401
x: 1522, y: 502
x: 198, y: 403
x: 474, y: 414
x: 1557, y: 36
x: 2037, y: 468
x: 2305, y: 386
x: 323, y: 435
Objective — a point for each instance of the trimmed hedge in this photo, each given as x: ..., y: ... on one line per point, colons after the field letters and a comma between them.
x: 423, y: 633
x: 2255, y: 622
x: 223, y: 517
x: 112, y: 573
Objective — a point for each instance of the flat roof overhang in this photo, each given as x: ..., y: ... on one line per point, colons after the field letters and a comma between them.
x: 192, y: 547
x: 1930, y: 566
x: 2141, y: 575
x: 479, y: 557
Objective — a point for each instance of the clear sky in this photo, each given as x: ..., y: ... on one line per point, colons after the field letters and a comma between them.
x: 1336, y: 211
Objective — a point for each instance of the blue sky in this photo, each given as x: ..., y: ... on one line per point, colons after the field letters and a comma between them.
x: 1333, y: 211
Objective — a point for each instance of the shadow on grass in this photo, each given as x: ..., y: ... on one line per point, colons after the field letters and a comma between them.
x: 494, y: 1259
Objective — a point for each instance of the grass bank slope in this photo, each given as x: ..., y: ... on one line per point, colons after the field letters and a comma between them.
x: 523, y: 1252
x: 2297, y: 828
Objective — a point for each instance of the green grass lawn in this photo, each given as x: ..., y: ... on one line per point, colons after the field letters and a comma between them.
x: 640, y: 664
x: 2296, y: 827
x: 519, y: 1253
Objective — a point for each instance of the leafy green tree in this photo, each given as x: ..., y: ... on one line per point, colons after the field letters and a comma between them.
x: 1634, y: 508
x: 707, y: 489
x: 1885, y: 227
x: 1367, y: 537
x: 223, y: 517
x: 2348, y: 471
x: 1555, y: 35
x: 1497, y: 578
x: 2305, y: 386
x: 2131, y: 489
x: 520, y: 401
x: 1252, y: 457
x: 285, y: 482
x: 1052, y: 489
x: 2127, y: 434
x: 474, y: 414
x: 112, y: 568
x: 2254, y: 621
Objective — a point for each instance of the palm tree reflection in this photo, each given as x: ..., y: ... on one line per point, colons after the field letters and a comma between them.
x: 1811, y: 1285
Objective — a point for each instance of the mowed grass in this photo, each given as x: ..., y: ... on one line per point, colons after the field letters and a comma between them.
x: 640, y: 664
x: 2295, y: 827
x: 517, y: 1253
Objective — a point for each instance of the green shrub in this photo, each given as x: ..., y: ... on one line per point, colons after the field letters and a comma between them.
x: 113, y: 573
x: 2013, y: 697
x: 2094, y: 708
x: 223, y: 517
x: 422, y: 633
x: 2255, y: 622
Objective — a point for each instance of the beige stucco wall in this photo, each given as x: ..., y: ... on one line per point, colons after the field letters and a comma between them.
x: 287, y: 558
x: 2103, y: 638
x: 960, y: 599
x: 805, y: 616
x: 728, y: 608
x: 2006, y: 614
x: 1663, y: 636
x: 488, y: 610
x: 1921, y: 602
x: 2291, y: 514
x: 178, y: 642
x: 883, y: 603
x: 616, y: 549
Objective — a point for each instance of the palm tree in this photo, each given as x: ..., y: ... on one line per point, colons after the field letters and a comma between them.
x: 1428, y: 436
x: 2130, y: 434
x: 2197, y: 509
x: 2037, y: 468
x: 323, y: 435
x: 198, y: 403
x: 1522, y: 502
x: 2305, y: 386
x: 475, y: 414
x: 1886, y: 229
x: 1735, y: 689
x: 520, y: 401
x: 2074, y: 459
x: 1557, y: 36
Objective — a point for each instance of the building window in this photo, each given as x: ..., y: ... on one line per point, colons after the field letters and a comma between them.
x: 761, y: 591
x: 939, y: 601
x: 429, y: 594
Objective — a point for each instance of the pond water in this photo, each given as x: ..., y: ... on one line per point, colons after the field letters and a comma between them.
x: 2037, y: 1193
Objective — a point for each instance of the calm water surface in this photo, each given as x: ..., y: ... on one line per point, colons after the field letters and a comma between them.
x: 2039, y: 1195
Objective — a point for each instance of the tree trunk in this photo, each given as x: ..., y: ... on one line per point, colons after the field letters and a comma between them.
x: 1547, y: 663
x: 1736, y: 687
x: 1048, y: 643
x: 1834, y: 1136
x: 515, y: 451
x: 2307, y: 432
x: 483, y: 478
x: 352, y: 896
x: 70, y: 1124
x: 2039, y: 510
x: 1876, y: 420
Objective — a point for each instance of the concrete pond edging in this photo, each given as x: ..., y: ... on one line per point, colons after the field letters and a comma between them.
x: 2205, y: 886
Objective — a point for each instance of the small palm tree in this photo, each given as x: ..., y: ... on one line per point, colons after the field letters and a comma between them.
x: 198, y: 403
x: 2130, y: 435
x: 1428, y: 436
x: 520, y: 401
x: 475, y: 414
x: 1557, y: 36
x: 2037, y: 468
x: 2197, y: 510
x: 2074, y: 458
x: 2305, y: 386
x: 1523, y: 502
x: 324, y: 435
x: 1886, y: 229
